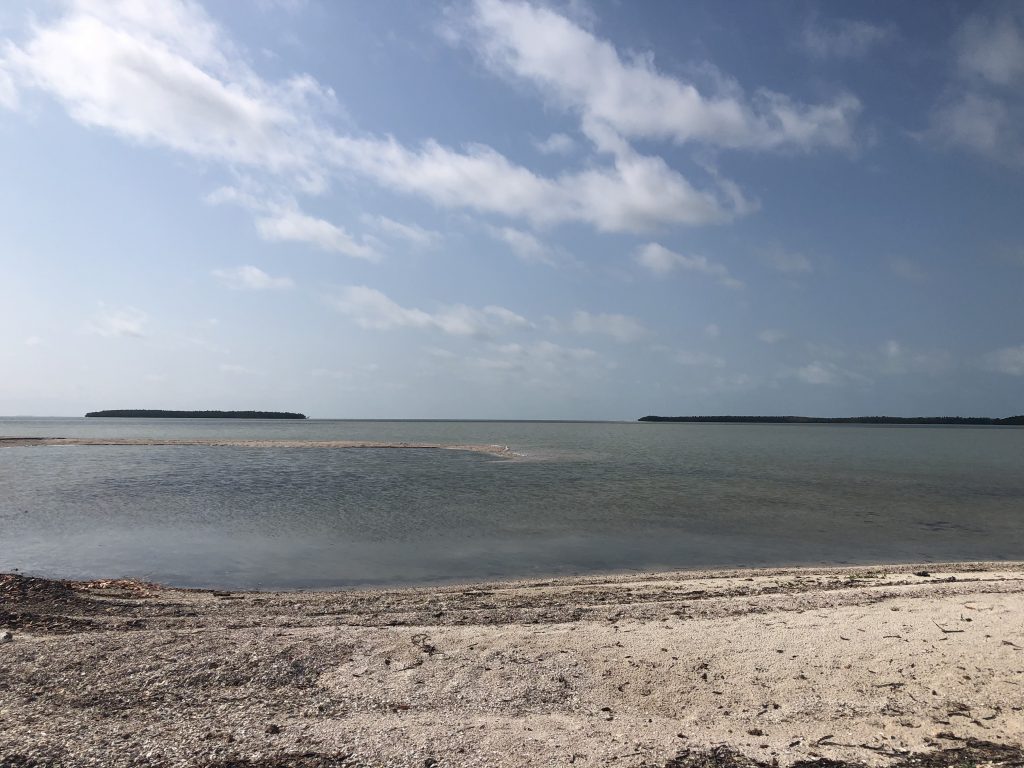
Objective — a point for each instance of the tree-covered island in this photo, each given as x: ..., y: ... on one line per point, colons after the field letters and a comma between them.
x: 151, y: 414
x: 965, y: 420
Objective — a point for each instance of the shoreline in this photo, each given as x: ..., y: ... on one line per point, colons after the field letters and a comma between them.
x: 864, y: 664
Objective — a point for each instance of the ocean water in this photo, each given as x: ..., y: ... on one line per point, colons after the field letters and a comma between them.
x: 580, y: 498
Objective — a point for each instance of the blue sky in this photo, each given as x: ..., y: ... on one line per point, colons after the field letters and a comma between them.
x: 501, y: 209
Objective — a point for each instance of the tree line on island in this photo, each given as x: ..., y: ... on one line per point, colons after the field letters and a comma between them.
x: 150, y: 414
x: 965, y: 420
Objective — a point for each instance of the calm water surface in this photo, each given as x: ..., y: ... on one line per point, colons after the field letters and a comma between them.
x: 583, y: 497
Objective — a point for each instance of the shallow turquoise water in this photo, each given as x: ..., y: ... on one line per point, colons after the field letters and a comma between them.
x: 584, y: 497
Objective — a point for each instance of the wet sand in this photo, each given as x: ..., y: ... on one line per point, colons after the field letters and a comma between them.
x: 870, y: 665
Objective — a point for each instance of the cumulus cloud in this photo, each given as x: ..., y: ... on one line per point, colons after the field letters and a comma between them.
x: 370, y: 308
x: 1008, y: 360
x: 164, y: 74
x: 619, y: 327
x: 844, y: 38
x: 587, y: 75
x: 992, y: 47
x: 250, y: 278
x: 982, y: 108
x: 661, y: 261
x: 556, y: 144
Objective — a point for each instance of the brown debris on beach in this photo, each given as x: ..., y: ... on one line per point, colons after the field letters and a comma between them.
x: 823, y: 667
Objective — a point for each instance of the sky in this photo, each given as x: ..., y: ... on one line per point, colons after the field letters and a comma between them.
x: 503, y: 209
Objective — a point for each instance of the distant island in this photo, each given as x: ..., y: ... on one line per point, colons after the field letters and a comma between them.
x: 144, y: 414
x: 966, y: 420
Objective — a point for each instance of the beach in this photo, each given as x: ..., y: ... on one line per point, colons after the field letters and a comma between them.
x: 874, y: 665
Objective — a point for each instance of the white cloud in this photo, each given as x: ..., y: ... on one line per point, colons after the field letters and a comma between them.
x: 410, y: 233
x: 978, y: 122
x: 164, y: 74
x: 897, y: 359
x: 8, y: 90
x: 992, y: 48
x: 1008, y: 360
x: 635, y: 193
x: 586, y: 74
x: 250, y: 278
x: 295, y: 226
x: 33, y: 341
x: 844, y: 38
x: 370, y: 308
x: 556, y: 144
x: 982, y: 110
x: 124, y: 321
x: 825, y: 372
x: 542, y: 363
x: 819, y: 373
x: 620, y: 327
x: 771, y: 335
x: 661, y: 261
x: 525, y: 246
x: 788, y: 262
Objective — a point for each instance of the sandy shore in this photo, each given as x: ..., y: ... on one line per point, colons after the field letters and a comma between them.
x: 25, y: 442
x: 864, y: 664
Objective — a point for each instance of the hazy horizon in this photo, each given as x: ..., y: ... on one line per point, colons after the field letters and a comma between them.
x: 491, y: 209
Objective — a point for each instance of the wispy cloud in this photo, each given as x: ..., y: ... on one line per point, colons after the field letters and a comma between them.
x: 771, y: 335
x: 907, y: 269
x: 409, y: 233
x: 622, y: 328
x: 588, y: 76
x: 826, y: 372
x: 370, y: 308
x: 1008, y: 360
x: 698, y: 359
x: 526, y: 246
x: 844, y: 38
x: 789, y: 262
x: 295, y: 226
x: 124, y: 321
x: 661, y: 261
x: 250, y: 278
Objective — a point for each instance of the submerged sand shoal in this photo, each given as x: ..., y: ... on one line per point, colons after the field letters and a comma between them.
x: 862, y: 664
x: 23, y: 442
